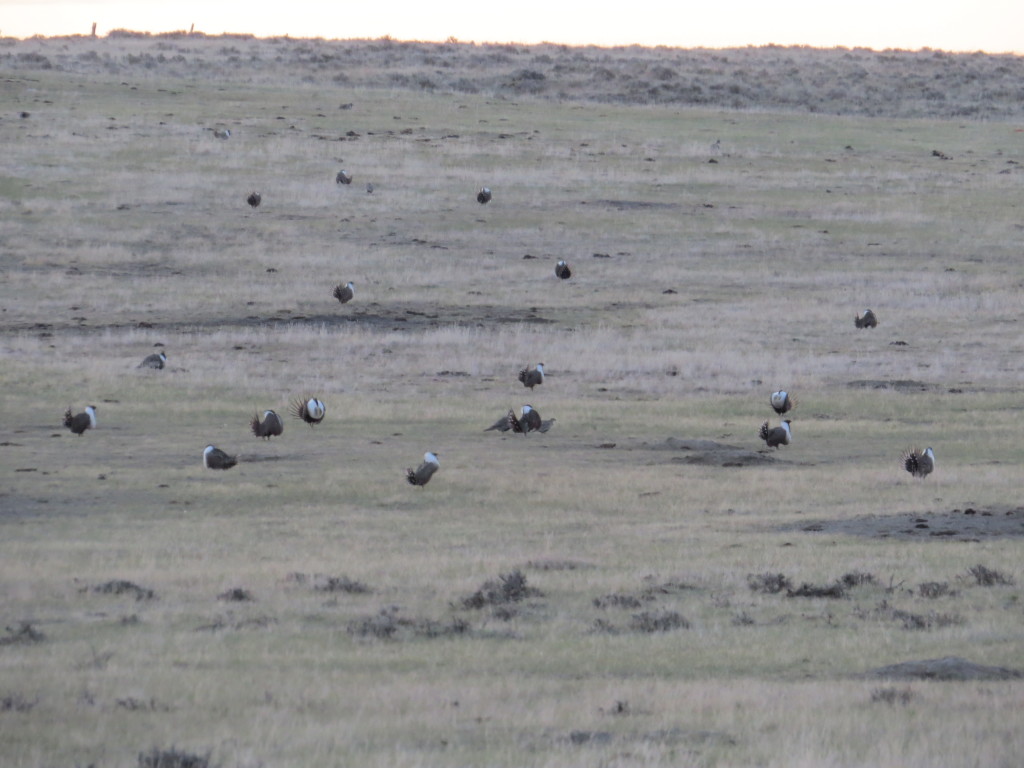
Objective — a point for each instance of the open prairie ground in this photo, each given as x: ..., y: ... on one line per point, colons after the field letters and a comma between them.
x: 645, y: 584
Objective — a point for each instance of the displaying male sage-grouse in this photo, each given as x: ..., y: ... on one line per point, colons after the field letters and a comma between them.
x: 309, y: 409
x: 271, y: 426
x: 917, y: 462
x: 422, y: 474
x: 215, y: 458
x: 528, y: 421
x: 156, y: 360
x: 867, y: 320
x: 483, y: 196
x: 563, y: 270
x: 782, y: 402
x: 343, y: 177
x: 254, y: 199
x: 344, y: 293
x: 532, y: 377
x: 780, y: 435
x: 80, y: 421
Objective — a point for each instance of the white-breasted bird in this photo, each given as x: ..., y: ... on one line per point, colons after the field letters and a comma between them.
x: 215, y: 458
x: 532, y: 377
x: 309, y: 409
x: 422, y: 474
x: 867, y: 320
x: 270, y: 426
x: 344, y: 293
x: 80, y: 421
x: 155, y: 361
x: 917, y: 462
x: 563, y: 270
x: 483, y: 196
x: 780, y: 435
x: 782, y: 401
x: 528, y: 421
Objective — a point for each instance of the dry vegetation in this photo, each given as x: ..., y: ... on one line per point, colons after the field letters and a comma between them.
x: 644, y: 584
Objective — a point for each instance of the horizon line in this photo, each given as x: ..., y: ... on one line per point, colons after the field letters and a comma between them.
x: 452, y: 40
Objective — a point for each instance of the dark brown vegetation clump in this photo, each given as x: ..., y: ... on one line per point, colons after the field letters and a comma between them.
x: 657, y: 621
x: 15, y: 702
x: 388, y: 625
x: 236, y: 595
x: 931, y: 590
x: 122, y: 587
x: 892, y: 695
x: 507, y: 588
x: 172, y: 758
x: 768, y: 583
x: 24, y: 634
x: 834, y: 591
x: 989, y: 577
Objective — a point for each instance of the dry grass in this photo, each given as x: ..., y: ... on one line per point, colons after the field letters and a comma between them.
x: 641, y: 634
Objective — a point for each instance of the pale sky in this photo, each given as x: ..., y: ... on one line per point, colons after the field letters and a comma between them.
x: 995, y: 26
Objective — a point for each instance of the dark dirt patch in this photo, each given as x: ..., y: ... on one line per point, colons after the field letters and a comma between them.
x: 946, y: 668
x: 634, y: 205
x: 711, y: 453
x: 958, y: 525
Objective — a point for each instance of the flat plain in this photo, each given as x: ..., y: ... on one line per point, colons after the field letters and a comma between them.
x: 646, y: 584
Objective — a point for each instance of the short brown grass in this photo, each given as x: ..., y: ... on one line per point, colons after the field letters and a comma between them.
x: 645, y: 633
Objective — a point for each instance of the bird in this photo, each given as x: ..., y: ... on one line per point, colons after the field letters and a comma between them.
x: 483, y: 196
x: 782, y: 401
x: 254, y: 199
x: 343, y: 177
x: 867, y: 320
x: 309, y: 409
x: 563, y: 270
x: 501, y: 425
x: 344, y: 293
x: 780, y: 435
x: 532, y: 377
x: 529, y: 420
x: 80, y: 421
x: 215, y: 458
x: 917, y: 462
x: 155, y: 360
x: 222, y: 133
x: 369, y: 188
x: 271, y: 426
x: 422, y: 474
x: 546, y: 425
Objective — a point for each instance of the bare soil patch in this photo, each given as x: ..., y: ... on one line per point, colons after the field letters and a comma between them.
x: 958, y: 525
x: 946, y: 668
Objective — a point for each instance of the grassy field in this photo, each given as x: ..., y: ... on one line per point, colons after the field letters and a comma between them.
x: 645, y: 584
